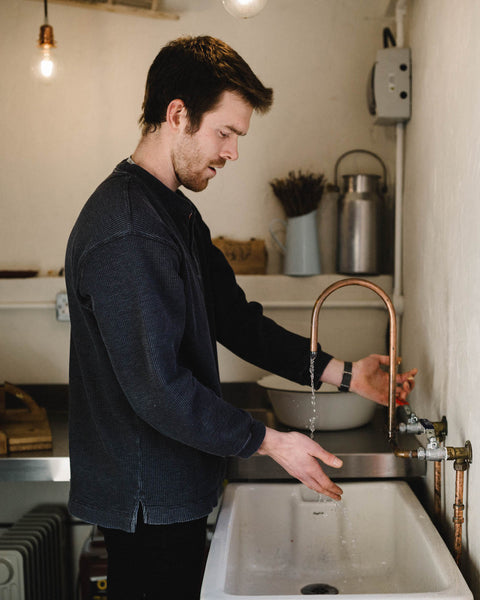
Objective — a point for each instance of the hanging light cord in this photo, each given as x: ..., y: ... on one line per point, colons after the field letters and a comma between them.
x: 45, y: 11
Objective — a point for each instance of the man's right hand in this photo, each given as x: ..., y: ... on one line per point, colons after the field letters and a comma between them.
x: 298, y: 454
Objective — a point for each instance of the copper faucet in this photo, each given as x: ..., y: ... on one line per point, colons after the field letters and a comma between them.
x: 461, y: 455
x: 392, y: 342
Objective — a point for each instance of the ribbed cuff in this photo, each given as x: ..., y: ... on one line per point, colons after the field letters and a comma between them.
x: 257, y: 434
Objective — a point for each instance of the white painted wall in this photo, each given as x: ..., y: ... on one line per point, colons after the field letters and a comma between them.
x: 58, y: 142
x: 441, y: 333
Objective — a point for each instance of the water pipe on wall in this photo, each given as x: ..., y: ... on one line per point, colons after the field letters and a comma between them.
x: 437, y: 452
x: 400, y: 13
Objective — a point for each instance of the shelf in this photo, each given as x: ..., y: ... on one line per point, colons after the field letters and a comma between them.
x: 284, y: 292
x: 30, y: 293
x: 40, y: 292
x: 150, y: 9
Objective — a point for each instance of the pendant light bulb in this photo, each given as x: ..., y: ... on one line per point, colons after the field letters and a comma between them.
x: 45, y: 64
x: 244, y: 9
x: 46, y: 44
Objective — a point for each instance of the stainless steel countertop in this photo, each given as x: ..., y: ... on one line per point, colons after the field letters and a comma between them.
x: 365, y: 452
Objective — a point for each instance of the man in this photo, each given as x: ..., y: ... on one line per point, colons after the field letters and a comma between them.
x: 149, y: 298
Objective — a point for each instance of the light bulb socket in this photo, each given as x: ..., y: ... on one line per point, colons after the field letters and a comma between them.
x: 46, y: 39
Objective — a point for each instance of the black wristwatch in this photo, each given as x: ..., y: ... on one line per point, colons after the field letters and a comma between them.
x: 347, y: 377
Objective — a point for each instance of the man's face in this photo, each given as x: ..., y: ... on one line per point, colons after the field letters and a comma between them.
x: 195, y: 157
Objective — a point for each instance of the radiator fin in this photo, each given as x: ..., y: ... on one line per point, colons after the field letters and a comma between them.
x: 35, y: 556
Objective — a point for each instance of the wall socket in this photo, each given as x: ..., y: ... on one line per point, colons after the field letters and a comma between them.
x: 61, y: 306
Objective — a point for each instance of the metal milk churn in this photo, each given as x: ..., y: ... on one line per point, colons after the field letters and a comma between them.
x: 361, y: 218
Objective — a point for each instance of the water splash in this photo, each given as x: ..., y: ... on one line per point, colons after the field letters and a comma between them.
x: 313, y: 356
x: 349, y: 538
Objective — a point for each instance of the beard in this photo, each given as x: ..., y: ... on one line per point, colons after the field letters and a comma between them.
x: 196, y: 182
x: 193, y: 169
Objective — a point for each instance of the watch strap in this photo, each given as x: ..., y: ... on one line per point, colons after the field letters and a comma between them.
x: 347, y: 377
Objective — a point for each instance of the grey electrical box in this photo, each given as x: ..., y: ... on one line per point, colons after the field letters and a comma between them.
x: 389, y: 91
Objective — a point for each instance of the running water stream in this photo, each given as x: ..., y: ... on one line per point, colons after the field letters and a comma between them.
x: 313, y: 356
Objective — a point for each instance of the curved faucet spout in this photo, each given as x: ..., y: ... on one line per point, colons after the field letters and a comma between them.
x: 393, y: 336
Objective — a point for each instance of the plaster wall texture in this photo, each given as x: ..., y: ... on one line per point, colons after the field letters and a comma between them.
x: 441, y: 327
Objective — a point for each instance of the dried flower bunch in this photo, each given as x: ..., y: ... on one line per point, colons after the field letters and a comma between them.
x: 299, y: 193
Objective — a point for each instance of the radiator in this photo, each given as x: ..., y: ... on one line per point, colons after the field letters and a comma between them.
x: 35, y: 556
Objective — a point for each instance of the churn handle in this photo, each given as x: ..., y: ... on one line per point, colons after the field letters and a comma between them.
x: 364, y: 152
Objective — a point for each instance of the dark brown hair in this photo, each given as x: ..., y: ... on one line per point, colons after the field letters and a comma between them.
x: 198, y: 70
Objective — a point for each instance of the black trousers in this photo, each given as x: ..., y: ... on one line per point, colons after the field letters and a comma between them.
x: 157, y: 562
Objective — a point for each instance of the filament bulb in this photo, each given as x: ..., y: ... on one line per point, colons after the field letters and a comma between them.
x: 47, y: 65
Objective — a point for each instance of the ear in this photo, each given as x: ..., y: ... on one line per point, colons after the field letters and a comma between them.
x: 176, y: 113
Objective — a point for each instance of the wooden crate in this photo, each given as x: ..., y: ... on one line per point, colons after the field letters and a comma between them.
x: 245, y: 258
x: 22, y: 429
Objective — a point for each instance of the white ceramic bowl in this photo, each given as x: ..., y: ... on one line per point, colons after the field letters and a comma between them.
x: 332, y: 410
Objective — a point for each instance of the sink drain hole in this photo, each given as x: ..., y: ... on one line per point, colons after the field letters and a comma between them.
x: 318, y: 588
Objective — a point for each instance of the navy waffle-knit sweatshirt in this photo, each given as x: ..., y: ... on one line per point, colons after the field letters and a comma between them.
x: 149, y: 297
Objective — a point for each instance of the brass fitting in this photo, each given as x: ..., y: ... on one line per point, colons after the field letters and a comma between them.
x: 462, y: 456
x: 441, y: 428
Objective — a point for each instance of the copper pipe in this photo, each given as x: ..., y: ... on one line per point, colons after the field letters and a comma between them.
x: 393, y: 336
x: 458, y: 508
x: 437, y: 491
x: 462, y: 457
x: 405, y: 453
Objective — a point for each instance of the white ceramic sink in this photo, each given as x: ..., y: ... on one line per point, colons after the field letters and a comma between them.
x: 272, y: 540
